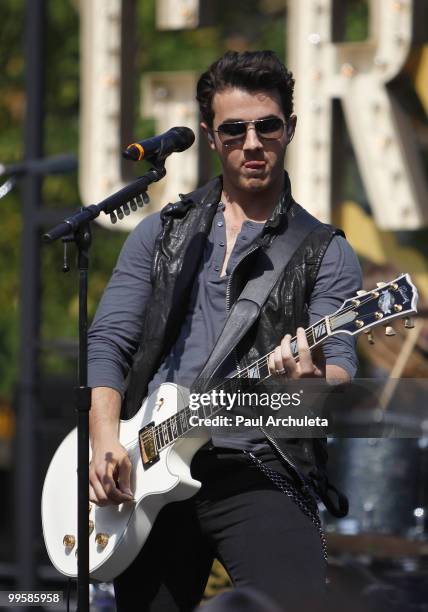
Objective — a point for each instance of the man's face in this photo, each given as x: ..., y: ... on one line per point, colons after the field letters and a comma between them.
x: 253, y: 163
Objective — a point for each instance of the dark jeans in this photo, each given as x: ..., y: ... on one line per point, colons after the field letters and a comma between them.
x: 258, y: 533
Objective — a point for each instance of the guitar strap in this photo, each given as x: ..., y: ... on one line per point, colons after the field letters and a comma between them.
x: 269, y: 265
x: 245, y: 311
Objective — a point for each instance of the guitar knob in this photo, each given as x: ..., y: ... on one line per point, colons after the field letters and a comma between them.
x: 69, y: 541
x: 370, y: 336
x: 389, y: 331
x: 408, y: 322
x: 380, y: 285
x: 361, y: 292
x: 102, y: 539
x: 91, y: 527
x: 398, y: 307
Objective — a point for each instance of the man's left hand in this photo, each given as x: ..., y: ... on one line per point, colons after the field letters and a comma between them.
x: 282, y: 362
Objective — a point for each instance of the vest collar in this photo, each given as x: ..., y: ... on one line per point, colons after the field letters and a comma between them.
x: 210, y: 194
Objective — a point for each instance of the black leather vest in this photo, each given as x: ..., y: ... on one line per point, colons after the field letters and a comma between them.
x: 177, y: 255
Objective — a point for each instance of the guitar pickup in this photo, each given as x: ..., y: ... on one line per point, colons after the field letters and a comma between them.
x: 148, y: 448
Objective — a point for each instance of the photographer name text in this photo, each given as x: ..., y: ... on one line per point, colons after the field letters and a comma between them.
x: 259, y: 421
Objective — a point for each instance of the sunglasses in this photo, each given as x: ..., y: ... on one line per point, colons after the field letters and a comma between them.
x: 235, y: 132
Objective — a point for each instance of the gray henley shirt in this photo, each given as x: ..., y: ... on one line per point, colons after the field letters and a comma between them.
x: 115, y: 331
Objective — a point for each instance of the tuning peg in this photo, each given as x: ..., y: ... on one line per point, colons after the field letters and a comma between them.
x: 133, y: 204
x: 126, y: 209
x: 370, y: 336
x: 146, y: 198
x: 380, y: 285
x: 408, y: 322
x: 113, y: 218
x: 120, y: 214
x: 389, y: 331
x: 361, y: 292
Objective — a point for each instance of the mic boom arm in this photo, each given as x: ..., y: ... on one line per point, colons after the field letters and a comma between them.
x: 110, y: 205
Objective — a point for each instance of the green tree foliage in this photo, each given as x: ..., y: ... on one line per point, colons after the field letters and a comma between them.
x: 11, y: 116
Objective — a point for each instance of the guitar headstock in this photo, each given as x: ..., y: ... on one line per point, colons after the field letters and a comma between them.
x: 392, y: 300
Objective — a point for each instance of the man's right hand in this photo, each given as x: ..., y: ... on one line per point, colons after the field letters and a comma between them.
x: 110, y: 473
x: 110, y: 466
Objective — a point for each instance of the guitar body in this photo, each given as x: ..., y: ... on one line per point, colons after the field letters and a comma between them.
x: 127, y: 525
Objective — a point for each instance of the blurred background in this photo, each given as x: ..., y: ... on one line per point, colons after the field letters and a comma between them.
x: 78, y: 82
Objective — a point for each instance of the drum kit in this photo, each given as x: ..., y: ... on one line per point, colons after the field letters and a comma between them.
x: 379, y: 551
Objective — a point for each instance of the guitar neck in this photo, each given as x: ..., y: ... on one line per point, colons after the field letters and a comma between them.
x: 367, y: 309
x: 179, y: 424
x: 259, y: 370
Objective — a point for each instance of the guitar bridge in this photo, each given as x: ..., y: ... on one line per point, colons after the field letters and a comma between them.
x: 148, y: 450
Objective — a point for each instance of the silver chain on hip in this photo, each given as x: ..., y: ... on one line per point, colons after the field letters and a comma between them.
x: 305, y: 502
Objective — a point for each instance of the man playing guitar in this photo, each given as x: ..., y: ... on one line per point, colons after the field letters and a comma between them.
x: 177, y: 277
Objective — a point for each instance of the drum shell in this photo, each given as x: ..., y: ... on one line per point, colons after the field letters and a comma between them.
x: 383, y: 480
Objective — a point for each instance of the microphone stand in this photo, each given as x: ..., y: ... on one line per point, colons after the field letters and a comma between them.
x: 56, y: 164
x: 77, y: 229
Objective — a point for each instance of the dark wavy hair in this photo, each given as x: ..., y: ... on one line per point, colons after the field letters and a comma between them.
x: 250, y: 70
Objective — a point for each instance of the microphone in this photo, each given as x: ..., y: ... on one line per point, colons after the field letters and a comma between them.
x: 157, y: 148
x: 56, y: 164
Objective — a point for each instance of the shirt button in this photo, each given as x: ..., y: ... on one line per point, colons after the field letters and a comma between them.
x: 221, y: 243
x: 220, y: 223
x: 217, y: 268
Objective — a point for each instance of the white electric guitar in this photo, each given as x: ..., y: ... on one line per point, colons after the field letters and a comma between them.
x: 161, y: 450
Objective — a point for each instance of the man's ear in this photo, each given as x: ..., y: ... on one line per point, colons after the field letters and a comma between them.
x: 291, y: 128
x: 209, y: 135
